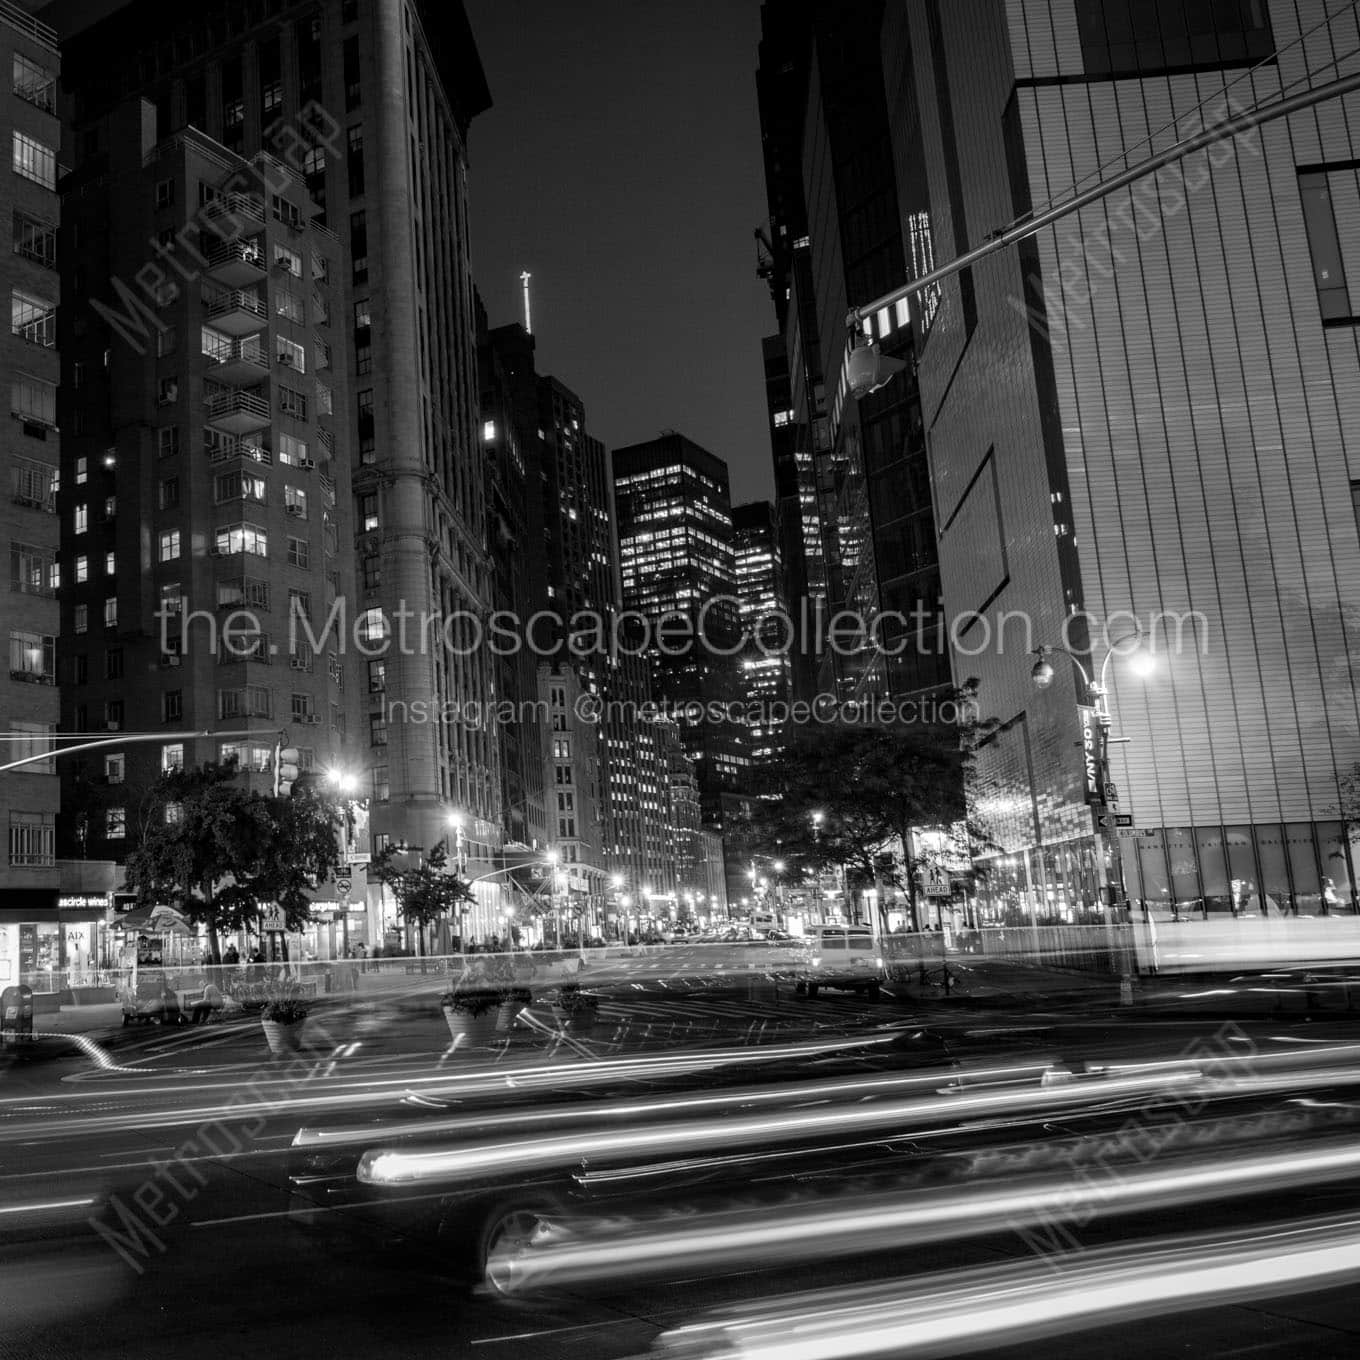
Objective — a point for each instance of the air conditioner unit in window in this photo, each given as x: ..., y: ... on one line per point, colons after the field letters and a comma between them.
x: 310, y: 718
x: 294, y: 510
x: 113, y: 725
x: 287, y: 360
x: 298, y: 663
x: 308, y: 463
x: 170, y: 659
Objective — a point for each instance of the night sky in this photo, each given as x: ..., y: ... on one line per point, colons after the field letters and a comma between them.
x: 621, y: 165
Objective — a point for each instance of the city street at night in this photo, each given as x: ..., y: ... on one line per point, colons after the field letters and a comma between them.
x: 682, y: 680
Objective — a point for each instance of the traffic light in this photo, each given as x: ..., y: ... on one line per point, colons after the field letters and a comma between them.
x: 285, y: 769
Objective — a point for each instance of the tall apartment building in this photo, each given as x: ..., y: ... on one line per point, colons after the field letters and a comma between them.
x: 205, y: 513
x: 30, y: 451
x: 766, y: 666
x: 370, y: 101
x: 512, y: 472
x: 1146, y: 415
x: 676, y: 559
x: 571, y: 566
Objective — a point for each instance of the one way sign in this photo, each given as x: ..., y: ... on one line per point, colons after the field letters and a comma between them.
x: 1108, y: 821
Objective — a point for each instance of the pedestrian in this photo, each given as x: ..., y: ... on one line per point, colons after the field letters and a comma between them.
x: 1329, y: 897
x: 231, y: 955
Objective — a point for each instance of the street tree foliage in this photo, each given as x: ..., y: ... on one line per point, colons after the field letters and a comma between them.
x: 426, y: 891
x: 853, y: 796
x: 223, y: 854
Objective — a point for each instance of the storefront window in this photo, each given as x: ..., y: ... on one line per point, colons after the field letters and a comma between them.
x: 1244, y: 877
x: 1213, y: 868
x: 1337, y: 864
x: 1180, y: 847
x: 1274, y: 881
x: 1303, y: 867
x: 1156, y: 884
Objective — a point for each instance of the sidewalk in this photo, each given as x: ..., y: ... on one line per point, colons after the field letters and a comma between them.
x: 1016, y: 983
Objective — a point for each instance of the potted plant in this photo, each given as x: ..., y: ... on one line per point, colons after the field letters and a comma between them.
x: 470, y: 1013
x: 282, y: 1018
x: 574, y: 1009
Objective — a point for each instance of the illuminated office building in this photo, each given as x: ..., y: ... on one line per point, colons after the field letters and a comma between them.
x: 676, y: 559
x: 766, y: 623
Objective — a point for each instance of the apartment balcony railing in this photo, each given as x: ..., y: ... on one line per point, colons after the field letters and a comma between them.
x: 228, y: 209
x: 236, y: 313
x: 237, y: 263
x: 238, y: 365
x: 326, y: 439
x: 227, y: 450
x: 237, y: 412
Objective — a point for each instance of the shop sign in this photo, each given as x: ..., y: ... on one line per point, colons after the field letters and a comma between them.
x: 83, y: 901
x: 274, y: 920
x: 28, y: 947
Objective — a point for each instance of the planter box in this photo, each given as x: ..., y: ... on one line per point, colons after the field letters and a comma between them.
x: 471, y: 1031
x: 283, y: 1039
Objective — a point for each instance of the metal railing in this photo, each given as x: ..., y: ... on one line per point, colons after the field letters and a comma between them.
x: 219, y: 304
x: 234, y: 403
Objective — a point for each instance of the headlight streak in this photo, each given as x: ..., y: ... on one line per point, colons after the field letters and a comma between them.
x: 848, y: 1088
x: 966, y: 1310
x: 852, y: 1225
x: 362, y: 1092
x: 389, y: 1166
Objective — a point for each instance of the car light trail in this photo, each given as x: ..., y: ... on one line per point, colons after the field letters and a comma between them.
x: 968, y: 1310
x: 849, y: 1226
x: 389, y: 1166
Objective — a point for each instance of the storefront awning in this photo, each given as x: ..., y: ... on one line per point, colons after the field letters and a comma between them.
x: 163, y: 919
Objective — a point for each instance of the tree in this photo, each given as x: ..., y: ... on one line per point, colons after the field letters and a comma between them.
x: 426, y: 892
x: 221, y: 853
x: 848, y: 795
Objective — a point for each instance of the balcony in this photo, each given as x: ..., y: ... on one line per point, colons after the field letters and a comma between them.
x: 327, y: 441
x: 238, y: 413
x: 230, y: 210
x: 237, y: 264
x: 236, y: 313
x: 226, y: 450
x: 238, y: 365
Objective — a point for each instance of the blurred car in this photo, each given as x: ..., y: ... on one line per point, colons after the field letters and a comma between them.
x: 845, y: 957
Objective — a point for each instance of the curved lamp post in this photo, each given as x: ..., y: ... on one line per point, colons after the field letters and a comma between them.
x: 1101, y: 794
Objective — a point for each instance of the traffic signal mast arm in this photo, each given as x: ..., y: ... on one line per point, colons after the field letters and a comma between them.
x: 123, y: 739
x: 1231, y: 127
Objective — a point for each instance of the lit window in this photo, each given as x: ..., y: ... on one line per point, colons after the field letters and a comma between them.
x: 115, y: 768
x: 172, y: 757
x: 169, y: 545
x: 489, y: 430
x: 82, y: 568
x: 35, y: 161
x: 115, y: 823
x: 111, y: 612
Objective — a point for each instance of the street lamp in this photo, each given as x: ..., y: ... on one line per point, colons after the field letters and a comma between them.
x: 1101, y: 793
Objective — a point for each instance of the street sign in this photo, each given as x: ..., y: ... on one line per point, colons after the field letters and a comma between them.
x: 1123, y: 819
x: 343, y: 887
x: 274, y: 920
x: 1104, y: 821
x: 1090, y: 747
x: 1111, y: 793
